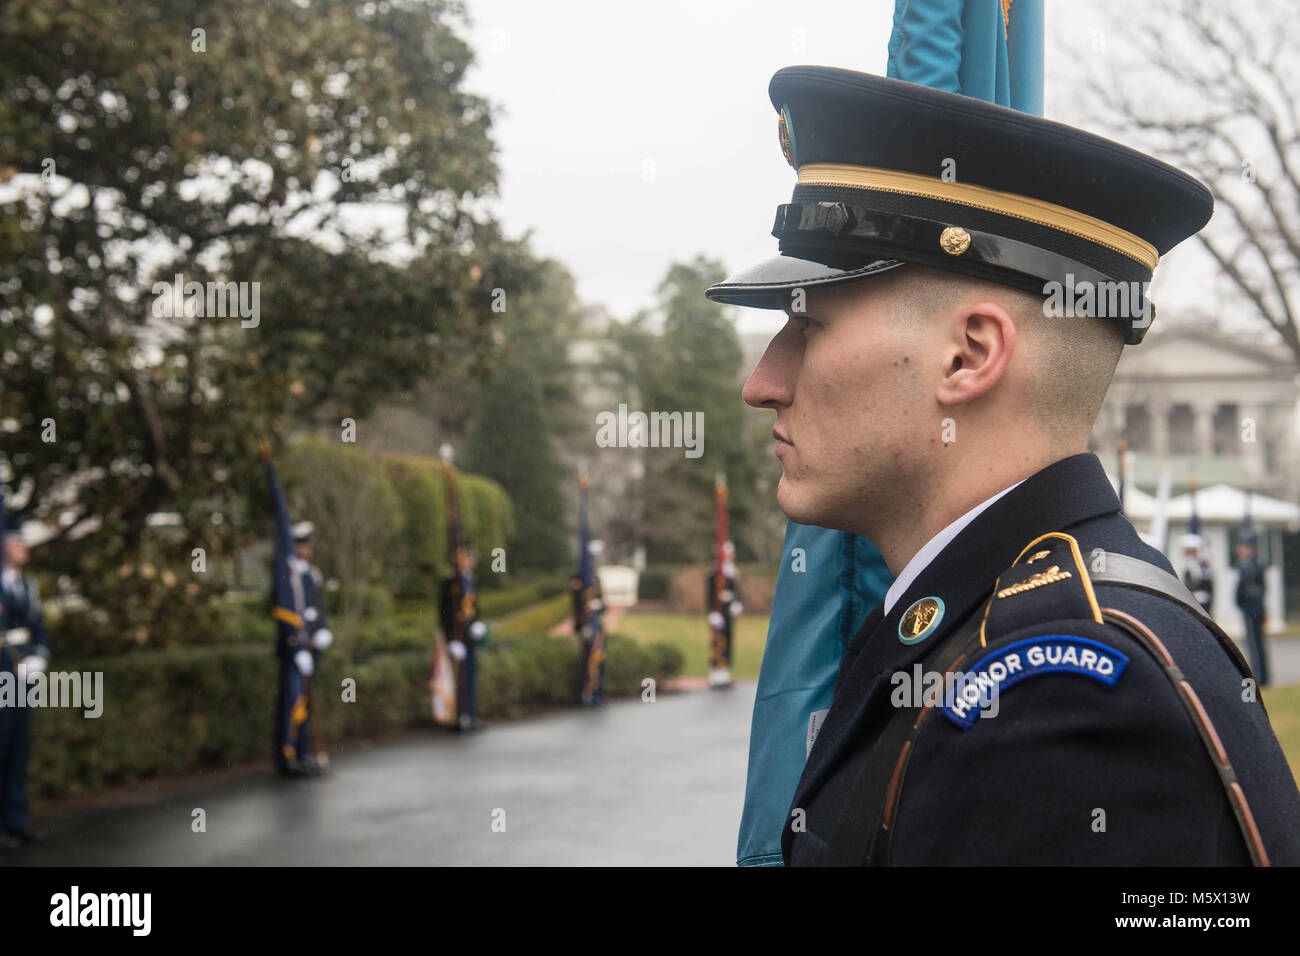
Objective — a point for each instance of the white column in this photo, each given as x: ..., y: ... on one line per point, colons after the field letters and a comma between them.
x: 1158, y: 410
x: 1252, y: 452
x: 1204, y: 412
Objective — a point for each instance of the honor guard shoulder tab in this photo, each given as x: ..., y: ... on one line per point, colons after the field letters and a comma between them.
x: 1045, y: 603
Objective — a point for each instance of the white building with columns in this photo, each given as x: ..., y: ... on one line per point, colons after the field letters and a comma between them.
x: 1225, y: 408
x: 1211, y: 403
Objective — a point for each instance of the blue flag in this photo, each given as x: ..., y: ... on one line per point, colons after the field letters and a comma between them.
x: 588, y: 620
x: 4, y: 529
x: 286, y: 588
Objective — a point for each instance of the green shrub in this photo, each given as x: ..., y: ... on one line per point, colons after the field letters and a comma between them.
x: 182, y: 709
x: 652, y: 583
x: 539, y: 618
x: 498, y: 603
x: 420, y: 563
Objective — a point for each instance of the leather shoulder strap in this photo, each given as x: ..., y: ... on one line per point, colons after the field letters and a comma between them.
x: 1204, y: 727
x: 1121, y: 570
x: 861, y: 814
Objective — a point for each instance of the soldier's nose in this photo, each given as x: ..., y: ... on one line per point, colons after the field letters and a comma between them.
x: 771, y: 384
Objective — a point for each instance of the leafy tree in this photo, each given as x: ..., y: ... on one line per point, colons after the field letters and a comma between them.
x: 351, y: 500
x: 693, y: 365
x: 323, y: 153
x: 512, y: 444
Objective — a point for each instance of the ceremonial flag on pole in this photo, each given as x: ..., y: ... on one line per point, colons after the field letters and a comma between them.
x: 446, y: 679
x: 720, y: 591
x: 286, y: 587
x: 287, y: 607
x: 590, y: 630
x: 1160, y: 520
x: 1247, y: 526
x: 720, y: 531
x: 4, y: 530
x: 1194, y: 523
x: 992, y: 51
x: 986, y: 50
x: 1123, y: 471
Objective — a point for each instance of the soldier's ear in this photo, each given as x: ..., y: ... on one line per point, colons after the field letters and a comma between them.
x: 976, y: 344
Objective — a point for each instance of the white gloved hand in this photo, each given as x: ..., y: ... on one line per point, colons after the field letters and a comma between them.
x: 310, y: 614
x: 322, y: 639
x: 736, y: 608
x: 716, y: 620
x: 478, y: 630
x: 595, y: 604
x: 305, y: 664
x: 456, y: 649
x: 29, y: 667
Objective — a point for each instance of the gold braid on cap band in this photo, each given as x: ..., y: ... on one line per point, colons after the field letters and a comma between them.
x: 981, y: 197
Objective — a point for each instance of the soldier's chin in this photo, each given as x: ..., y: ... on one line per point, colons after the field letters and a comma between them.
x: 796, y: 503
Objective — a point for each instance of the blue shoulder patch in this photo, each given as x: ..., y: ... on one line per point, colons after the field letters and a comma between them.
x: 1006, y: 667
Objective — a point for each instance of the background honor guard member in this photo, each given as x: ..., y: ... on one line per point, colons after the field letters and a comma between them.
x: 1250, y: 599
x: 977, y: 318
x: 720, y: 591
x: 298, y: 607
x: 588, y: 607
x: 463, y: 631
x: 1198, y: 576
x: 24, y: 653
x: 724, y: 608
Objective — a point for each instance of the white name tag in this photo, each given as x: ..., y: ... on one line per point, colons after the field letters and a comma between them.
x: 815, y: 720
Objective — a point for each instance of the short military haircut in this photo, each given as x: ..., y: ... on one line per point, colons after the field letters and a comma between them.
x: 1072, y: 360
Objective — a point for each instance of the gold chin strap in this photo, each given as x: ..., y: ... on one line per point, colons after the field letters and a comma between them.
x: 980, y: 197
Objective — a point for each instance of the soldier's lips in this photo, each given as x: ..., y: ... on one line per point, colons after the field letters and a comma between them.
x: 782, y: 443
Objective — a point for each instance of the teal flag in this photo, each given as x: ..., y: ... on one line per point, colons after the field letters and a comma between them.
x: 988, y: 49
x: 828, y: 584
x: 991, y: 50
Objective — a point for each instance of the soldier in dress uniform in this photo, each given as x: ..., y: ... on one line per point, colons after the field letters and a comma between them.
x: 299, y: 651
x: 1250, y: 599
x: 724, y: 607
x: 589, y: 625
x: 24, y: 653
x: 1198, y: 576
x: 458, y: 607
x: 1037, y: 687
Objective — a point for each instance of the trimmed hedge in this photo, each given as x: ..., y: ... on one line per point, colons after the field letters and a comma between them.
x: 421, y: 561
x: 183, y: 709
x: 539, y: 618
x: 652, y: 583
x: 503, y: 601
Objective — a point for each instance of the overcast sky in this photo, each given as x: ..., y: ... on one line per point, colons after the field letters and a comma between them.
x: 631, y: 135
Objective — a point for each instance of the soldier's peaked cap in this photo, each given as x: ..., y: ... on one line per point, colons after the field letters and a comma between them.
x: 891, y: 173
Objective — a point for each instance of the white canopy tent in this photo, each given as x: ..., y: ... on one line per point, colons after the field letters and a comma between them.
x: 1220, y: 508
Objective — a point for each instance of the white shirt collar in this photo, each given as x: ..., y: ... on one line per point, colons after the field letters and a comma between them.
x: 932, y: 548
